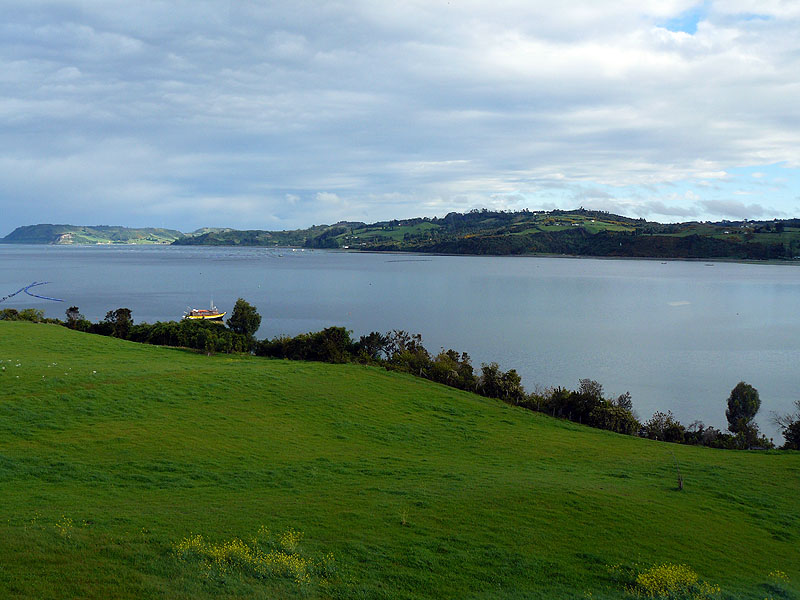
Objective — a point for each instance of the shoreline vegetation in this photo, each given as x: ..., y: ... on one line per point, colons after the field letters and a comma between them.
x: 402, y: 351
x: 578, y: 232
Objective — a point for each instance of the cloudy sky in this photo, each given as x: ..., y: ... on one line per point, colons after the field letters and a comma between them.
x: 273, y: 115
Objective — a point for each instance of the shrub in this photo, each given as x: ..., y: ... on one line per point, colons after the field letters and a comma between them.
x: 329, y: 345
x: 451, y: 369
x: 664, y: 427
x: 260, y: 557
x: 200, y: 335
x: 674, y: 582
x: 614, y: 418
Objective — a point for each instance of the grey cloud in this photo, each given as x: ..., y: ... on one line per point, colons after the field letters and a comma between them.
x: 584, y: 193
x: 659, y: 208
x: 733, y: 208
x: 388, y: 106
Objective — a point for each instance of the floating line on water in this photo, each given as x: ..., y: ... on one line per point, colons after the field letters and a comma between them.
x: 27, y: 288
x: 12, y: 295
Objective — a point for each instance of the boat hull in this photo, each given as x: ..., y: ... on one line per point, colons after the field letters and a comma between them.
x: 205, y: 317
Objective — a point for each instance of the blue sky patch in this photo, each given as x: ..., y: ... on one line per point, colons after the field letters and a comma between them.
x: 687, y: 21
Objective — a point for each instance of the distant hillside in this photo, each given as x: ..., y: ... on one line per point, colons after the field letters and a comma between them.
x: 257, y: 237
x: 99, y: 234
x: 479, y: 232
x: 578, y: 232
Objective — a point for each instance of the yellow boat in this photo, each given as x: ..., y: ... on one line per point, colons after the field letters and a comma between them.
x: 202, y: 314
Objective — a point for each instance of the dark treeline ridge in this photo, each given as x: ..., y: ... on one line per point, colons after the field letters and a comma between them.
x: 401, y: 351
x: 578, y: 232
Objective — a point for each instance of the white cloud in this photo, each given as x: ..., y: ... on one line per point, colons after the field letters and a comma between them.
x: 372, y: 107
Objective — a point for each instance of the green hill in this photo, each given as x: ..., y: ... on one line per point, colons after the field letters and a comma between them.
x: 479, y: 232
x: 114, y: 456
x: 576, y: 232
x: 99, y: 234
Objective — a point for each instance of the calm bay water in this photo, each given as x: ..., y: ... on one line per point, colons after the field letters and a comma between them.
x: 677, y: 335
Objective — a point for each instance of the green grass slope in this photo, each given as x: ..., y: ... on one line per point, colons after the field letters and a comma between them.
x: 112, y: 453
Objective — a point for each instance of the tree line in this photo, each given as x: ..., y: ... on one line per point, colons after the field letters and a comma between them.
x: 402, y: 351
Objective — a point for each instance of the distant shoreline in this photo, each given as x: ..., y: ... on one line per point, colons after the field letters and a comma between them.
x: 766, y: 262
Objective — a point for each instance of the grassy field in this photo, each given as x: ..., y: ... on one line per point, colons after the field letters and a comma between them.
x: 397, y: 233
x: 113, y: 455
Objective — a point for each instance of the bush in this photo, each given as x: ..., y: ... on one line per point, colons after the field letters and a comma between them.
x: 199, y: 335
x: 613, y: 417
x: 451, y: 369
x: 329, y: 345
x: 495, y: 383
x: 26, y: 314
x: 670, y: 581
x: 664, y: 427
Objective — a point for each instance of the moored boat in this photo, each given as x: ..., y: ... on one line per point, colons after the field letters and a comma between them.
x: 203, y: 314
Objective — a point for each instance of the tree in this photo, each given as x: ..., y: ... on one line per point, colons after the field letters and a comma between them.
x: 743, y: 404
x: 790, y: 427
x: 373, y: 345
x: 792, y: 436
x: 591, y: 389
x: 245, y: 319
x: 120, y: 321
x: 624, y: 401
x: 400, y: 341
x: 73, y: 316
x: 491, y: 380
